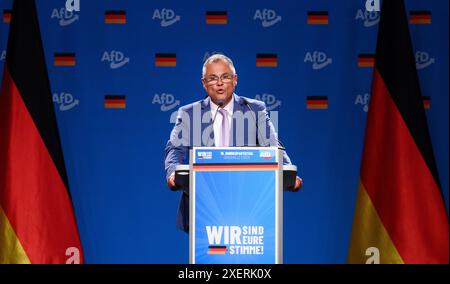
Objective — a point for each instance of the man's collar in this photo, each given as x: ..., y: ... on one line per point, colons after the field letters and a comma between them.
x: 229, y: 107
x: 237, y: 101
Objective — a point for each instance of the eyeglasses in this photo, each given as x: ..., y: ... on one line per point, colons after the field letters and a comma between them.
x: 225, y: 78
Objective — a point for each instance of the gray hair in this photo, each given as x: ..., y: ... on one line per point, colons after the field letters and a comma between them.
x: 216, y: 58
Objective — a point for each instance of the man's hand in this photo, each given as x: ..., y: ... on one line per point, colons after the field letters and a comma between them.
x: 298, y: 184
x: 171, y: 182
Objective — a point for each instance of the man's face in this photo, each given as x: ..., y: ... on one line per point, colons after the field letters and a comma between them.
x: 219, y: 82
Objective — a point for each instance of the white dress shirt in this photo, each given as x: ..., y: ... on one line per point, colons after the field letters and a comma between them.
x: 218, y: 122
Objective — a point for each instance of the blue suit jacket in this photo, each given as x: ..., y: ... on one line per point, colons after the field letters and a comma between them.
x: 176, y: 155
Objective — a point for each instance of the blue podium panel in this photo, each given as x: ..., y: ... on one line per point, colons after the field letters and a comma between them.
x: 235, y: 206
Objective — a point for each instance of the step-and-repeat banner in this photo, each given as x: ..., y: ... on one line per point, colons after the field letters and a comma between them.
x: 120, y: 69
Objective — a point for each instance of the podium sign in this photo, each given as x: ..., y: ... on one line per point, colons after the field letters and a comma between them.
x: 235, y: 205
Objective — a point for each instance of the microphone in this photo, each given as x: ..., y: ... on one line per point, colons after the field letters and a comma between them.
x: 280, y: 145
x: 219, y: 104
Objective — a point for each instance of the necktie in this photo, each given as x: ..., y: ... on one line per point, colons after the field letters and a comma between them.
x: 224, y: 130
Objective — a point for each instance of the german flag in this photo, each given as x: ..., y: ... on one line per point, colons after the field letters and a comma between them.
x: 266, y: 60
x: 216, y: 17
x: 366, y: 60
x: 426, y: 102
x: 217, y: 249
x: 37, y: 221
x: 64, y: 59
x: 317, y: 18
x: 115, y: 17
x: 399, y: 208
x: 317, y: 102
x: 6, y: 16
x: 165, y: 60
x: 420, y: 17
x: 115, y: 101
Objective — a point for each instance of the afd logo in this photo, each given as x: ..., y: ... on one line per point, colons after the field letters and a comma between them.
x: 369, y: 18
x: 166, y: 16
x: 115, y: 58
x: 373, y: 5
x: 64, y: 16
x: 73, y: 5
x: 363, y: 100
x: 3, y: 55
x: 423, y: 60
x: 269, y: 99
x: 318, y: 59
x: 204, y: 155
x: 65, y: 101
x: 166, y: 101
x: 266, y: 155
x: 267, y: 17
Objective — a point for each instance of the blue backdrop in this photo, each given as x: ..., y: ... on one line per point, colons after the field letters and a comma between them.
x: 114, y: 157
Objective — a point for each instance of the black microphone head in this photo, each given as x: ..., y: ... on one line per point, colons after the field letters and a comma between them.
x: 244, y: 100
x: 220, y: 103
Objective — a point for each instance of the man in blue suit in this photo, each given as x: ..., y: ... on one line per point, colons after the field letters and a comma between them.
x: 221, y: 119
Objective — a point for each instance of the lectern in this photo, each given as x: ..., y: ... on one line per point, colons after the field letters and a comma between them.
x: 236, y: 204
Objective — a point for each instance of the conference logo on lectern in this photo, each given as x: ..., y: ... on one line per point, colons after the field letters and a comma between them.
x: 6, y: 16
x: 64, y: 16
x: 267, y: 17
x: 270, y: 100
x: 423, y: 60
x: 167, y: 17
x: 115, y: 58
x: 266, y: 155
x: 166, y: 101
x: 201, y: 155
x: 248, y: 240
x: 66, y: 101
x: 369, y: 18
x: 318, y: 59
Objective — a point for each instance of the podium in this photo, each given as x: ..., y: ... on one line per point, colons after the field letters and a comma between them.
x: 235, y: 204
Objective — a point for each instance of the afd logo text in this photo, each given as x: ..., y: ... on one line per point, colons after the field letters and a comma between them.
x: 268, y: 17
x: 363, y: 100
x: 64, y: 16
x: 318, y: 59
x: 369, y: 18
x: 166, y: 101
x: 166, y: 16
x: 115, y: 58
x: 65, y: 101
x: 269, y: 99
x: 373, y: 5
x: 423, y: 60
